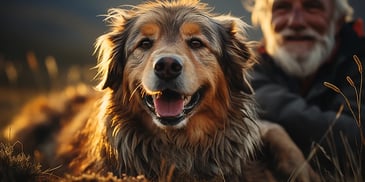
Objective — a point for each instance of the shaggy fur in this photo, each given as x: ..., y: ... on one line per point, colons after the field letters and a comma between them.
x: 219, y: 135
x: 174, y: 103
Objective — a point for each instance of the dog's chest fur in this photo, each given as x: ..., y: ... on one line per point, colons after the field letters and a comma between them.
x: 221, y: 155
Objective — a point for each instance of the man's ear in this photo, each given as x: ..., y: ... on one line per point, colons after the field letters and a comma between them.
x: 110, y: 49
x: 238, y: 56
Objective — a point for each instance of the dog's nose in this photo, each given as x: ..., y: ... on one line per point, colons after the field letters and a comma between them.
x: 168, y: 68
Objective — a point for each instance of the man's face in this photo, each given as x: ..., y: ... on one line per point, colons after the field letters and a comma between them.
x: 302, y: 30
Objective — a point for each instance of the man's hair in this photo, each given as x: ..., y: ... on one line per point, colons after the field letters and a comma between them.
x: 260, y: 10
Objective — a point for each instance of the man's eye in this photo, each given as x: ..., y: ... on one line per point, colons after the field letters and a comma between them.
x: 195, y: 43
x: 145, y: 43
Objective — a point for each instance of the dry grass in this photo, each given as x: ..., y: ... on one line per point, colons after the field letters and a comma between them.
x: 353, y: 170
x: 17, y: 166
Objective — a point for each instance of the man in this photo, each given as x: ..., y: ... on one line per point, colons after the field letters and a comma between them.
x: 306, y: 43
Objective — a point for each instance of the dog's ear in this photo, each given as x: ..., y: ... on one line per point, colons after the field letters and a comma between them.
x: 110, y: 47
x: 237, y: 54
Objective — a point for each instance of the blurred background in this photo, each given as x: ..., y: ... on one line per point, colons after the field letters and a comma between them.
x: 48, y: 44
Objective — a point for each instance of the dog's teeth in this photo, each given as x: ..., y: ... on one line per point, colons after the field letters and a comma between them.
x: 187, y: 99
x: 156, y: 96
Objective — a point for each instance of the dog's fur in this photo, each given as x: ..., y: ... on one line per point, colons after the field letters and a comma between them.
x: 156, y: 57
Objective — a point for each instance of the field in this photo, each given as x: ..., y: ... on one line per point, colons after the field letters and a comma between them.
x: 22, y: 80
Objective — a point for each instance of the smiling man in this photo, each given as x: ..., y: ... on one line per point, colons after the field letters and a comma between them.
x: 306, y: 43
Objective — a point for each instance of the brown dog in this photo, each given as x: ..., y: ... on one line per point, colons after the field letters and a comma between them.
x: 174, y: 103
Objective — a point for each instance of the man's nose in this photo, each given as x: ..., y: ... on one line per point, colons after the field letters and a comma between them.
x: 297, y: 20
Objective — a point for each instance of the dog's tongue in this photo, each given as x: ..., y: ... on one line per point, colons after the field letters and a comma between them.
x: 166, y: 107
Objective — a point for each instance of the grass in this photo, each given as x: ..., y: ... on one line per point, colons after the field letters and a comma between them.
x: 353, y: 170
x: 358, y: 93
x: 17, y: 166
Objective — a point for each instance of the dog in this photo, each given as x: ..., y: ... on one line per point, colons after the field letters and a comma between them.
x: 173, y: 103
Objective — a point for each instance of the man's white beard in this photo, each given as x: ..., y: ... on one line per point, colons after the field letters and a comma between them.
x: 299, y: 64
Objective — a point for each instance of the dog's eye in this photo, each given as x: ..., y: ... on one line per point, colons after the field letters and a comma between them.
x: 145, y: 43
x: 195, y: 43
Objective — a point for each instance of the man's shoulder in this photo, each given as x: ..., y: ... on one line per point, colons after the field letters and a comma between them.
x: 353, y: 38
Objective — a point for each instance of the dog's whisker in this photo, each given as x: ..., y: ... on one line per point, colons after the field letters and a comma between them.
x: 139, y: 86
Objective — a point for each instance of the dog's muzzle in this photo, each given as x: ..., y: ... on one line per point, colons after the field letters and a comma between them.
x: 169, y: 105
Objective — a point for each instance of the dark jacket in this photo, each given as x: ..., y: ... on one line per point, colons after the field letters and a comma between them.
x: 307, y: 113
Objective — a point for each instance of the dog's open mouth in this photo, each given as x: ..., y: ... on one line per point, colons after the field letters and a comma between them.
x: 170, y: 107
